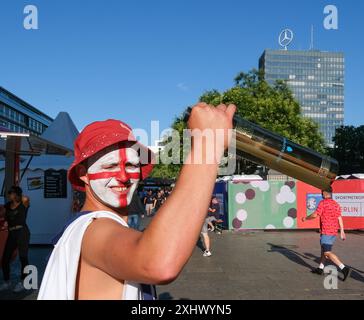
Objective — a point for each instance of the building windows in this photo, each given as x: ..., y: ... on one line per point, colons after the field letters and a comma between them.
x: 35, y: 125
x: 11, y: 114
x: 316, y: 115
x: 18, y: 122
x: 316, y: 80
x: 297, y: 83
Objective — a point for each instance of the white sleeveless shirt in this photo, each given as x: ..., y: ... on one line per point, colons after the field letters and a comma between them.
x: 59, y: 280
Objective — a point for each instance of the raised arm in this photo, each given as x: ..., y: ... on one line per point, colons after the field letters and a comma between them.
x: 159, y: 253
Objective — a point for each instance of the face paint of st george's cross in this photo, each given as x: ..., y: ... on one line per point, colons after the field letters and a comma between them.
x: 114, y: 177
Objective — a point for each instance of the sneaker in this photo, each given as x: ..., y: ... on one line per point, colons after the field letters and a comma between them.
x: 19, y: 287
x: 5, y: 286
x: 346, y: 272
x: 207, y: 253
x: 318, y: 271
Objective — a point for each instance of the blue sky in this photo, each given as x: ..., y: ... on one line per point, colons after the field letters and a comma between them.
x: 145, y: 60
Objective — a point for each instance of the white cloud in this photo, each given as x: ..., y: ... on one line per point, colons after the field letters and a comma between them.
x: 182, y: 86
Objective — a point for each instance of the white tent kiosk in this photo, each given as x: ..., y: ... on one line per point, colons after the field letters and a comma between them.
x: 42, y: 177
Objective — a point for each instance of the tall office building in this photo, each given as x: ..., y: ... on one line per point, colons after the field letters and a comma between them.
x: 19, y: 116
x: 317, y: 81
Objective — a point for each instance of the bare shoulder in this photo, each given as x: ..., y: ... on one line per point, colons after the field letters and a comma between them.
x: 100, y: 238
x: 102, y: 228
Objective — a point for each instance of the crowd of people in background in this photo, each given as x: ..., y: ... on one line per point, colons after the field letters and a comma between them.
x: 146, y: 202
x: 154, y: 198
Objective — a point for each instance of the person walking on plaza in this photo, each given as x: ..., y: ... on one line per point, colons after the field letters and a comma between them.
x: 329, y: 212
x: 206, y: 238
x: 205, y: 229
x: 18, y: 236
x: 213, y: 213
x: 135, y: 210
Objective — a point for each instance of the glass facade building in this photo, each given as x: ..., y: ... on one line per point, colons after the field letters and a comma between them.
x: 19, y: 116
x: 317, y: 81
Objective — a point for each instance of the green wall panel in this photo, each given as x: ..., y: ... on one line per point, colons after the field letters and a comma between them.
x: 262, y: 205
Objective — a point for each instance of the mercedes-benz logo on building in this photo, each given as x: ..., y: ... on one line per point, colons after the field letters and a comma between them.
x: 285, y: 38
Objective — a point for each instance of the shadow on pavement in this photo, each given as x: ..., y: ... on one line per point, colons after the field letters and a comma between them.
x: 313, y: 257
x: 356, y: 274
x: 297, y: 257
x: 290, y: 254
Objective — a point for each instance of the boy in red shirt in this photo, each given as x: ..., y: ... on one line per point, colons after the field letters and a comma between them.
x: 329, y: 212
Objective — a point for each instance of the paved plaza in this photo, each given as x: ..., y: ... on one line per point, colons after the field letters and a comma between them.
x: 266, y: 265
x: 252, y: 265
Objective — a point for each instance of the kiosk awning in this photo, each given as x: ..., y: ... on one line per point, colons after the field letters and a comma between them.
x: 30, y: 145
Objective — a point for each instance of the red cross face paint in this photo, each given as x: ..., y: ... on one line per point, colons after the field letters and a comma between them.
x: 115, y: 175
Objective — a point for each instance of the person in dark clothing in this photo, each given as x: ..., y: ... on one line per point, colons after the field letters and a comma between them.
x: 135, y: 209
x: 18, y: 237
x: 214, y: 209
x: 148, y: 202
x: 213, y: 214
x: 158, y: 201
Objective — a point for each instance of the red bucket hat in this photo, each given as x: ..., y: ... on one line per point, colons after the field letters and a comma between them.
x: 100, y: 135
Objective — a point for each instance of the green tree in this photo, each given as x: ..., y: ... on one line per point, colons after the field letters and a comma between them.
x: 349, y: 149
x: 273, y: 108
x: 162, y: 170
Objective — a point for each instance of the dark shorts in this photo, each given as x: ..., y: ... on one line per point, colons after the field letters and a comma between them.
x: 327, y: 242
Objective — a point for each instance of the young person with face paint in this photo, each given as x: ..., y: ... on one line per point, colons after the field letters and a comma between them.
x: 98, y: 256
